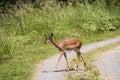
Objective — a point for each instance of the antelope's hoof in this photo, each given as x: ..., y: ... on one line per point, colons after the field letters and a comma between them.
x: 84, y: 64
x: 55, y: 69
x: 75, y: 68
x: 68, y: 69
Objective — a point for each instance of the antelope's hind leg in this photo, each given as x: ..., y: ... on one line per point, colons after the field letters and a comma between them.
x: 83, y: 60
x: 78, y: 56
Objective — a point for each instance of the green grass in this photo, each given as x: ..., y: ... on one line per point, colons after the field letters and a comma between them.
x: 90, y: 72
x: 22, y: 65
x: 21, y: 49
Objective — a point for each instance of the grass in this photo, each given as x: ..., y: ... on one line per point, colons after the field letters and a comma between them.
x: 90, y: 72
x: 22, y: 41
x: 21, y: 66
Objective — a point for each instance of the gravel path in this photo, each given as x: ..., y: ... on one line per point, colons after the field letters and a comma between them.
x: 109, y: 64
x: 45, y: 70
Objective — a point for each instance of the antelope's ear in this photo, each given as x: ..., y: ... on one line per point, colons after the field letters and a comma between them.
x: 45, y: 35
x: 51, y: 34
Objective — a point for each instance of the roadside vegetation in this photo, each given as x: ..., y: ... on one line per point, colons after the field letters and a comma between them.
x: 22, y: 25
x: 90, y: 71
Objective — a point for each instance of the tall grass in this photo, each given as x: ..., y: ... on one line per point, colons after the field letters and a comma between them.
x: 5, y: 49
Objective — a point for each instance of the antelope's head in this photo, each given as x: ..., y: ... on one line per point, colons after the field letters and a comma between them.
x: 48, y: 38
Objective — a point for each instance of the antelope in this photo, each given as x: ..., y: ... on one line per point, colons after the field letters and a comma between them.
x: 63, y: 45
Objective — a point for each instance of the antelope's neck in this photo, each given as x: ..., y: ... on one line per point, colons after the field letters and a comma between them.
x: 56, y: 44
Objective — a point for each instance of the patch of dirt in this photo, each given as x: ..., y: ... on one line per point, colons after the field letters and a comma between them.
x: 109, y: 64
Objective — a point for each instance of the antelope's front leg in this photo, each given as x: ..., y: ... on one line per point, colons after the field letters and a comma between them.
x: 66, y: 61
x: 61, y: 54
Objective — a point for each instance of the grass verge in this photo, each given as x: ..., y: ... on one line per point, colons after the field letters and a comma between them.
x: 90, y: 72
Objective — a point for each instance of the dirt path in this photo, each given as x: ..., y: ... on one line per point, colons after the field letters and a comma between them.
x: 45, y: 70
x: 109, y: 64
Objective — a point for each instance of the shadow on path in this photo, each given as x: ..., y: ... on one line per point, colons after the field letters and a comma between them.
x: 62, y: 70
